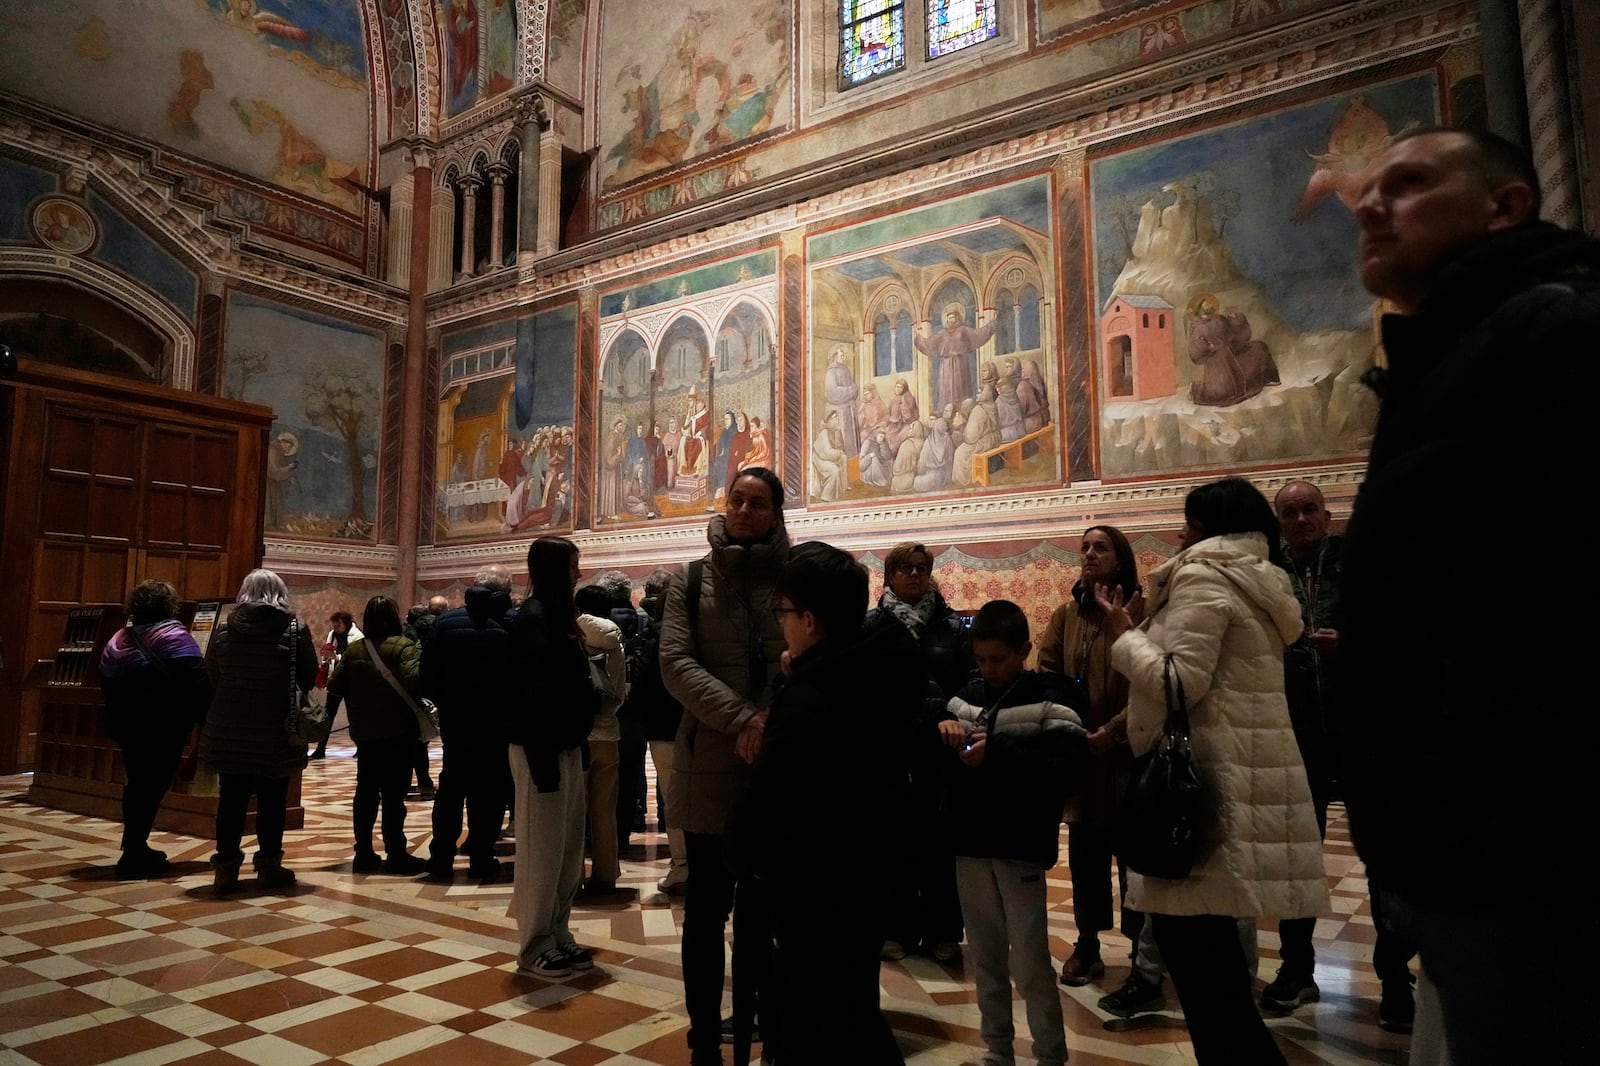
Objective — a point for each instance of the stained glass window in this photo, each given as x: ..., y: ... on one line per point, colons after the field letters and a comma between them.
x: 872, y: 39
x: 957, y: 24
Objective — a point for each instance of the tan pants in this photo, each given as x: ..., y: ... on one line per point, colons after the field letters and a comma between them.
x: 662, y: 754
x: 603, y: 762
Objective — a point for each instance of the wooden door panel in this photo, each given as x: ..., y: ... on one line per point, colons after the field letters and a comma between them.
x: 113, y: 509
x: 64, y: 505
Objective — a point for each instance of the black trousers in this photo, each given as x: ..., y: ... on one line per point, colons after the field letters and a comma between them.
x: 830, y: 993
x: 272, y: 811
x: 476, y: 772
x: 1211, y: 975
x: 149, y: 762
x: 926, y: 908
x: 383, y: 774
x: 709, y: 900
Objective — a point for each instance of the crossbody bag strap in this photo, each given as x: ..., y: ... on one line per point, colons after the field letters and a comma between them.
x: 383, y: 672
x: 149, y: 652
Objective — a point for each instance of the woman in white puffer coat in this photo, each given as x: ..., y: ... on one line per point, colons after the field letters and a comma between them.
x: 1223, y: 613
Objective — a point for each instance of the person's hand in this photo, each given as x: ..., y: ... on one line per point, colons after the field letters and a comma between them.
x: 1118, y: 615
x: 1325, y: 641
x: 785, y: 664
x: 971, y: 753
x: 952, y: 734
x: 1101, y: 740
x: 1136, y: 606
x: 748, y: 744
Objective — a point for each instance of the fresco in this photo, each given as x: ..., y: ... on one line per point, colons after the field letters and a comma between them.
x: 479, y: 42
x: 701, y: 83
x: 322, y: 460
x: 20, y: 183
x: 1231, y: 326
x: 276, y: 89
x: 686, y: 388
x: 931, y: 365
x: 505, y: 454
x: 128, y: 248
x: 564, y: 27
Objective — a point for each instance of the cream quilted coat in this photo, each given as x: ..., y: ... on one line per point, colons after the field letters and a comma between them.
x: 1225, y: 614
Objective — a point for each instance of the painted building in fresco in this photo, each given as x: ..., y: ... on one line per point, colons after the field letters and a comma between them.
x: 977, y: 274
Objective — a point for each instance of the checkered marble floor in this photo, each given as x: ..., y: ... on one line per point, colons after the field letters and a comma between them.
x: 370, y: 969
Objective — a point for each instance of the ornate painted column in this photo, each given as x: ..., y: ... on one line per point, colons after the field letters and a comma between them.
x: 412, y: 385
x: 1544, y: 74
x: 470, y: 184
x: 398, y: 251
x: 497, y: 212
x: 441, y: 243
x: 549, y: 171
x: 532, y: 121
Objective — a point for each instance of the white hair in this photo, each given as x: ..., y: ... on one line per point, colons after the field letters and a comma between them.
x: 494, y: 577
x: 264, y: 586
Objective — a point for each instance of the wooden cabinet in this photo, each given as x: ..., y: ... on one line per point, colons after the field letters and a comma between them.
x: 107, y: 483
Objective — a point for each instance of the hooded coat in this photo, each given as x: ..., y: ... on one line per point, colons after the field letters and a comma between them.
x: 1225, y: 613
x: 721, y: 668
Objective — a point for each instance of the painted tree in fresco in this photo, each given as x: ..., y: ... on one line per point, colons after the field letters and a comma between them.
x: 339, y: 402
x: 247, y: 364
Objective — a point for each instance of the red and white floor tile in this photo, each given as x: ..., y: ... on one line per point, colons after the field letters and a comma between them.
x: 372, y: 970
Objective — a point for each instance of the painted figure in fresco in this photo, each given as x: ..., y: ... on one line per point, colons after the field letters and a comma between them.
x: 696, y: 425
x: 281, y: 463
x: 873, y: 413
x: 480, y: 470
x: 744, y: 111
x: 666, y: 109
x: 458, y: 474
x: 829, y: 464
x: 612, y: 473
x: 659, y: 454
x: 511, y: 470
x: 953, y: 352
x: 760, y: 444
x: 640, y: 464
x: 839, y: 389
x: 903, y: 413
x: 1006, y: 404
x: 739, y: 449
x: 671, y: 447
x: 722, y: 456
x: 938, y: 457
x: 461, y: 26
x: 980, y: 434
x: 906, y: 458
x: 1233, y: 367
x: 196, y: 80
x: 1034, y: 397
x: 877, y: 460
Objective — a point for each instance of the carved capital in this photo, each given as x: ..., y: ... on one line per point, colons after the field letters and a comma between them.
x: 532, y: 108
x: 498, y: 172
x: 469, y: 184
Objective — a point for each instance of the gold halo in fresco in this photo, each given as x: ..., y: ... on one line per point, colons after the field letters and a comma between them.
x: 64, y: 225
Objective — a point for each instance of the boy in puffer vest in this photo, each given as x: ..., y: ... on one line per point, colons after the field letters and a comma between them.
x: 1021, y: 746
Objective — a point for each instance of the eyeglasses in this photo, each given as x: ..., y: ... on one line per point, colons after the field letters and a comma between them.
x: 913, y: 568
x: 778, y: 611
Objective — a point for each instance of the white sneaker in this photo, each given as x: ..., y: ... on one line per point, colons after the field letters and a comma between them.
x: 676, y: 880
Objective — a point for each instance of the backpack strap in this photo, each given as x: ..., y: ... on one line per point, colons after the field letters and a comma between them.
x: 691, y: 597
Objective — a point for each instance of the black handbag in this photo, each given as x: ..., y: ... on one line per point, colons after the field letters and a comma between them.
x: 1167, y: 807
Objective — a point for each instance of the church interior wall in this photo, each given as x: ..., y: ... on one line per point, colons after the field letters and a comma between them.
x: 1096, y: 150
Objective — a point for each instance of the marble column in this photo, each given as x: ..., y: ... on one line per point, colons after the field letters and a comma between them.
x: 398, y: 250
x: 412, y: 385
x: 469, y: 221
x: 531, y: 122
x: 497, y: 213
x: 441, y: 240
x: 549, y: 170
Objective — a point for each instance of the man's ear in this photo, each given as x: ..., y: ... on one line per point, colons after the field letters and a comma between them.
x: 1513, y: 205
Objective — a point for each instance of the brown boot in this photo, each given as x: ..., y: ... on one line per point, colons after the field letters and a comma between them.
x: 271, y: 873
x: 225, y: 875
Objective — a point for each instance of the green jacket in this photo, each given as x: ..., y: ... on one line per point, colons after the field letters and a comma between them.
x: 376, y: 710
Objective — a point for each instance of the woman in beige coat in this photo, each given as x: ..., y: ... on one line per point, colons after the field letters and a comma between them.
x: 1222, y: 613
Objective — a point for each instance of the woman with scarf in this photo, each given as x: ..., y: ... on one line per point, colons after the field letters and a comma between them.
x: 1075, y: 643
x: 930, y: 914
x: 156, y: 689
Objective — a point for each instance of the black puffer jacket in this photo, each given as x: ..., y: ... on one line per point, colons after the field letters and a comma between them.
x: 467, y: 669
x: 833, y: 761
x: 252, y: 661
x: 1456, y: 705
x: 946, y: 644
x: 555, y: 703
